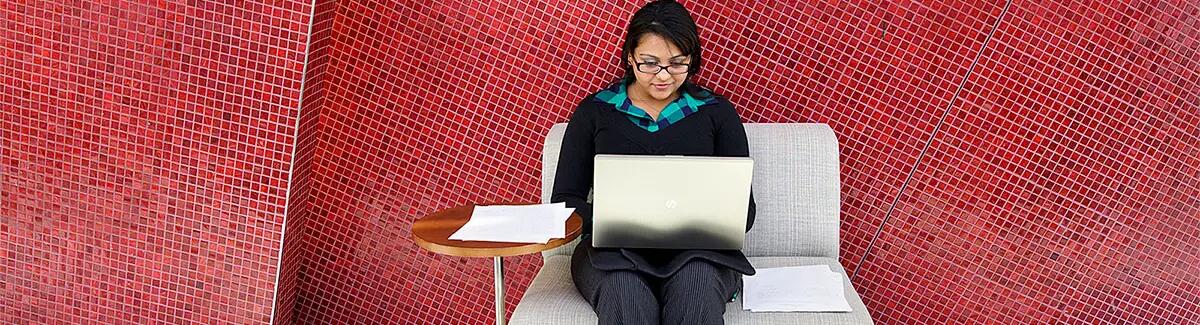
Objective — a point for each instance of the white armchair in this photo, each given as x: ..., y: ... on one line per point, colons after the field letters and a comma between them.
x: 797, y: 192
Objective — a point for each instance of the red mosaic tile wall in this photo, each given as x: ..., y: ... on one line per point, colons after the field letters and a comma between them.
x: 145, y: 149
x: 295, y: 238
x: 1064, y: 184
x: 1005, y: 162
x: 1035, y: 160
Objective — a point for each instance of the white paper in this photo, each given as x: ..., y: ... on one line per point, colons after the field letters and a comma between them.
x: 538, y: 223
x: 809, y: 288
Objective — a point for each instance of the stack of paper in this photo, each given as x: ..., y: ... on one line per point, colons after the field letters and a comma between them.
x: 538, y: 223
x: 810, y: 288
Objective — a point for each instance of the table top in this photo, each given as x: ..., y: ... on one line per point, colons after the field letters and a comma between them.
x: 432, y: 232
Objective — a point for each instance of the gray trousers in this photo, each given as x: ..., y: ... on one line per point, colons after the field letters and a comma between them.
x: 696, y: 294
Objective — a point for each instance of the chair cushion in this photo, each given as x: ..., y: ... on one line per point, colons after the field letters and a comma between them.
x: 859, y: 315
x: 552, y: 298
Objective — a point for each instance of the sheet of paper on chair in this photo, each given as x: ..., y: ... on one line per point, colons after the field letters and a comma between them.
x: 538, y: 223
x: 809, y: 288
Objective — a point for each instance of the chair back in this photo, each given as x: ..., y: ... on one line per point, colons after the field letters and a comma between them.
x: 797, y: 189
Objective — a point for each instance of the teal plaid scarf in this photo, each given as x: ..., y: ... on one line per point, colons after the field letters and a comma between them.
x: 675, y: 111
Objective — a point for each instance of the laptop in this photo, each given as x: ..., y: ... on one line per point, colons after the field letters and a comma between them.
x: 674, y: 202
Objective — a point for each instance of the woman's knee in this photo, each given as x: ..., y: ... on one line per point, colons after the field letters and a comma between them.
x: 624, y: 297
x: 696, y: 272
x: 694, y: 295
x: 696, y: 280
x: 622, y: 283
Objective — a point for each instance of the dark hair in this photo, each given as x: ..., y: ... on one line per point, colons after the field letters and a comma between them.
x: 670, y: 20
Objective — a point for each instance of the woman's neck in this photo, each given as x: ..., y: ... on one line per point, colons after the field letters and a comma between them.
x: 640, y: 95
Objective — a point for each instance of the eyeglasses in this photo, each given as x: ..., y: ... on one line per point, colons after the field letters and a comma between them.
x: 654, y: 68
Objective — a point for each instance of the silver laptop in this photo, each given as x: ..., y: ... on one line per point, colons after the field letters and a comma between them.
x: 680, y: 202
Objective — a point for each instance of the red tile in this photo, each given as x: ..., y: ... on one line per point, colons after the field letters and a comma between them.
x: 421, y: 95
x: 133, y: 189
x: 148, y: 151
x: 1063, y: 185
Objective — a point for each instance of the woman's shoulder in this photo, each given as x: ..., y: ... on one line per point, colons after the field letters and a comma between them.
x: 720, y: 106
x: 606, y: 92
x: 707, y: 96
x: 587, y: 107
x: 595, y: 100
x: 721, y: 101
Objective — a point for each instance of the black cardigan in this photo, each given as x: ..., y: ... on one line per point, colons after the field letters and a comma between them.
x: 596, y: 127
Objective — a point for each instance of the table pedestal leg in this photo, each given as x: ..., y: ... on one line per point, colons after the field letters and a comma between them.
x: 498, y: 268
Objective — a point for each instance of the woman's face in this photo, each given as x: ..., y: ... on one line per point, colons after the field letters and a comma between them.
x: 662, y: 85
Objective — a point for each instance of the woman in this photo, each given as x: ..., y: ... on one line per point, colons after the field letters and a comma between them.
x: 655, y: 110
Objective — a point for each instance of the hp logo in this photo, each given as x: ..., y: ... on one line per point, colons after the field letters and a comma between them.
x: 671, y: 204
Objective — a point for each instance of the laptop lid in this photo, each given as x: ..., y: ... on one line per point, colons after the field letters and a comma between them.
x: 678, y: 202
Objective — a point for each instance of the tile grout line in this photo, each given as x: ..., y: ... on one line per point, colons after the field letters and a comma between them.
x: 287, y: 196
x: 932, y: 135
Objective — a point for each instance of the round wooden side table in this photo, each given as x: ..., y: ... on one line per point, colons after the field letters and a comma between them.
x: 432, y: 231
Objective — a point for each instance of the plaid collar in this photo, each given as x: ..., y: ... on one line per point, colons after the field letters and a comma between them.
x: 685, y: 105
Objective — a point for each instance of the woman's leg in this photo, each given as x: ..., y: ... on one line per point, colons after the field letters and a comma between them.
x: 618, y: 297
x: 697, y: 293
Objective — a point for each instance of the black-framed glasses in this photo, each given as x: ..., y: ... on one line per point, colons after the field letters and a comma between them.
x: 654, y: 68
